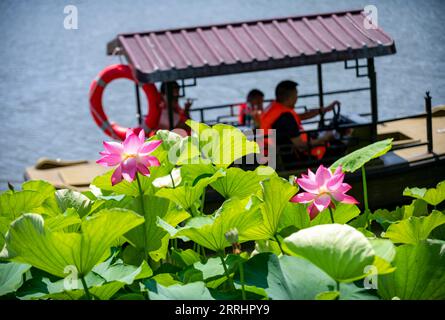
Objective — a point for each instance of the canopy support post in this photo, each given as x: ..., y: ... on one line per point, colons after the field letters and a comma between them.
x: 169, y: 96
x: 429, y: 122
x: 320, y: 93
x: 373, y: 90
x: 138, y: 105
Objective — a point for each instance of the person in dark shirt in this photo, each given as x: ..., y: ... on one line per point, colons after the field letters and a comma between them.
x: 287, y: 122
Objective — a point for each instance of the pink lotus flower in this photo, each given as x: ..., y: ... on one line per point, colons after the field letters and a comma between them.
x: 322, y: 187
x: 131, y: 156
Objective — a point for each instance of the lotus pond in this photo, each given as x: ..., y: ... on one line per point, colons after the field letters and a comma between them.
x: 141, y: 232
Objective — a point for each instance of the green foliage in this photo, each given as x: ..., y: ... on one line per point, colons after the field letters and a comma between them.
x: 30, y: 241
x: 433, y: 196
x: 340, y: 250
x: 357, y: 159
x: 419, y: 274
x: 414, y: 229
x: 156, y: 242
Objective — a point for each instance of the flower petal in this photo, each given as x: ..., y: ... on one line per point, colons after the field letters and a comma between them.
x: 336, y: 181
x: 149, y: 161
x: 110, y: 160
x: 113, y: 147
x: 344, y: 198
x: 117, y: 176
x: 322, y: 176
x: 313, y: 211
x: 322, y: 202
x: 142, y: 136
x: 129, y: 169
x: 308, y: 185
x: 143, y: 169
x: 132, y: 144
x: 150, y: 146
x: 303, y: 197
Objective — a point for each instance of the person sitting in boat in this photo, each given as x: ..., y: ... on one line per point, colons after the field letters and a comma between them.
x: 180, y: 115
x: 249, y: 111
x: 281, y: 116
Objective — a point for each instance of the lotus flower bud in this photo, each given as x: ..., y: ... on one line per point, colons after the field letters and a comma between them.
x: 232, y: 236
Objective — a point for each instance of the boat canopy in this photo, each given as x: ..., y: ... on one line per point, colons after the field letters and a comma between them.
x: 211, y: 50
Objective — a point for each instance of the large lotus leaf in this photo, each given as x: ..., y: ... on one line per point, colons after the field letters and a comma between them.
x: 355, y: 160
x: 349, y: 291
x: 11, y: 276
x: 186, y: 195
x: 49, y: 205
x: 180, y: 150
x: 419, y: 274
x: 191, y: 291
x: 103, y: 282
x: 340, y: 250
x: 67, y: 199
x: 343, y: 213
x: 433, y: 196
x: 414, y: 229
x: 241, y: 214
x: 62, y: 221
x: 131, y: 189
x: 294, y: 214
x: 286, y: 277
x: 276, y: 195
x: 13, y: 204
x: 148, y: 236
x: 184, y: 258
x: 222, y: 144
x: 238, y: 183
x: 30, y: 241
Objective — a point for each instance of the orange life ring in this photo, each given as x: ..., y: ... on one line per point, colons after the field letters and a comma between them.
x: 112, y: 129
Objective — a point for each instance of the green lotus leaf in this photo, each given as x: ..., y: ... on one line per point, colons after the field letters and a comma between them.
x: 190, y: 291
x: 286, y: 277
x: 433, y: 196
x: 49, y: 205
x: 62, y: 221
x: 148, y: 237
x: 343, y: 213
x: 187, y: 195
x: 276, y: 195
x: 355, y: 160
x: 11, y: 276
x: 184, y: 258
x: 294, y: 214
x: 131, y: 189
x: 222, y: 144
x: 340, y: 250
x: 67, y: 198
x: 14, y: 204
x: 414, y: 229
x: 419, y: 274
x: 30, y: 241
x: 209, y: 232
x: 238, y: 183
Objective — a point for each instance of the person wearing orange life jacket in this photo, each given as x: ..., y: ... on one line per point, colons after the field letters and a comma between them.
x: 180, y: 116
x: 281, y: 116
x: 248, y: 111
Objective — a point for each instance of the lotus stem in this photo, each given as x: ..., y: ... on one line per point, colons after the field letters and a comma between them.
x: 241, y: 275
x: 85, y: 288
x: 332, y: 215
x: 365, y: 195
x: 279, y: 244
x: 173, y: 181
x: 226, y: 271
x: 141, y: 195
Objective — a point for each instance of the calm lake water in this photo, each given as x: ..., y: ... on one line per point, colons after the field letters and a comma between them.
x: 46, y: 70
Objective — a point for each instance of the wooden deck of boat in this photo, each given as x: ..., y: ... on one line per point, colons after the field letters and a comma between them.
x: 415, y: 131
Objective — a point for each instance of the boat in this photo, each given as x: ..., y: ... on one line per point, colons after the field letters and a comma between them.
x: 187, y: 54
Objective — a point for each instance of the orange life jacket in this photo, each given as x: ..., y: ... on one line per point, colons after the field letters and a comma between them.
x: 273, y: 113
x: 242, y: 113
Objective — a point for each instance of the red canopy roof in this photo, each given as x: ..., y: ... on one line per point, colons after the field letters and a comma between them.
x: 251, y: 46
